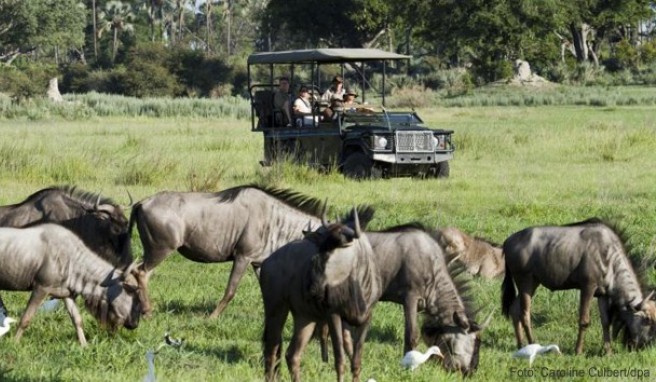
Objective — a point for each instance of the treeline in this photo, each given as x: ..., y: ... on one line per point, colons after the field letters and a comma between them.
x: 198, y: 48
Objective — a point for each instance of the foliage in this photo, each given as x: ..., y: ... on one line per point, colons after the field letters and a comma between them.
x: 29, y: 80
x: 43, y: 25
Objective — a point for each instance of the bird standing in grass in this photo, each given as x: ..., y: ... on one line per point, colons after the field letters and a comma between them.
x: 6, y: 321
x: 532, y: 350
x: 176, y: 343
x: 414, y: 358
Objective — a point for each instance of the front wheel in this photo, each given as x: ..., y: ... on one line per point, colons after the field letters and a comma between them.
x: 442, y: 170
x: 359, y: 166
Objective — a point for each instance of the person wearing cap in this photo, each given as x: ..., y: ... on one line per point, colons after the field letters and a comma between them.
x: 335, y: 91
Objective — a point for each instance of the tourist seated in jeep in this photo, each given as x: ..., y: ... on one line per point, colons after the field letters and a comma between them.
x: 334, y: 111
x: 282, y: 116
x: 303, y: 108
x: 335, y: 91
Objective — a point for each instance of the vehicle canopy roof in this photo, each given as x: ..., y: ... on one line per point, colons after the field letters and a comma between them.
x: 323, y: 56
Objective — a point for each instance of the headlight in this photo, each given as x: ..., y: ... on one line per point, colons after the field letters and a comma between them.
x: 438, y: 143
x: 380, y: 143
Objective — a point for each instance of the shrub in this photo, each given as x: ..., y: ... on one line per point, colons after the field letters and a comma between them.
x: 26, y: 80
x: 627, y: 55
x: 148, y: 79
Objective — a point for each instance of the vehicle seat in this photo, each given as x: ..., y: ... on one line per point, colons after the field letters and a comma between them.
x: 263, y: 104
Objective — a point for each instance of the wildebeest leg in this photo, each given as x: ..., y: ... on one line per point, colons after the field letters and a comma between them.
x: 76, y: 318
x: 36, y: 299
x: 336, y: 334
x: 152, y: 258
x: 272, y: 338
x: 303, y: 329
x: 515, y: 314
x: 587, y: 294
x: 410, y: 313
x: 3, y: 309
x: 324, y: 330
x: 604, y: 314
x: 526, y: 290
x: 238, y: 269
x: 359, y: 334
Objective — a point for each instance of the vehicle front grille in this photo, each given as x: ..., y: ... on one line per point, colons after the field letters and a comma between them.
x: 414, y: 142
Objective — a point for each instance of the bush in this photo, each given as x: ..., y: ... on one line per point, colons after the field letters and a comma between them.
x: 26, y: 80
x: 627, y: 55
x: 147, y: 79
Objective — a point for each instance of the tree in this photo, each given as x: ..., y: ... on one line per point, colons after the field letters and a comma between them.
x: 45, y: 26
x: 116, y: 18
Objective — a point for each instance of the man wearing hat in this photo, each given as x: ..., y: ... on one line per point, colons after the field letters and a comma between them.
x: 335, y: 91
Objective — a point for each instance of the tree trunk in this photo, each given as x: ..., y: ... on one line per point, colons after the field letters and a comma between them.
x: 114, y: 44
x: 229, y: 26
x: 580, y: 36
x: 95, y: 31
x: 208, y: 22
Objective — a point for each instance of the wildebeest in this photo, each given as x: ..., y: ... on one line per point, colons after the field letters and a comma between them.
x: 98, y: 221
x: 328, y: 276
x: 242, y: 224
x: 50, y: 260
x: 589, y: 256
x: 412, y: 270
x: 479, y: 256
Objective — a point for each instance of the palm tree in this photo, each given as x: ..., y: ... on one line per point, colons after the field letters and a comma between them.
x: 117, y: 17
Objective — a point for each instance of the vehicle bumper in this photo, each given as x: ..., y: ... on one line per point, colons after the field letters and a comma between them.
x: 412, y: 158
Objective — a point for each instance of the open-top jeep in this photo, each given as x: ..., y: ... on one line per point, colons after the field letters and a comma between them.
x: 363, y: 142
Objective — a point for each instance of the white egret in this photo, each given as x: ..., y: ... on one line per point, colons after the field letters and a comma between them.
x: 176, y: 343
x: 414, y: 358
x: 532, y: 350
x: 4, y: 328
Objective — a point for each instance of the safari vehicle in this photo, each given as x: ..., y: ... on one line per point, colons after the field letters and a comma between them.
x: 366, y: 142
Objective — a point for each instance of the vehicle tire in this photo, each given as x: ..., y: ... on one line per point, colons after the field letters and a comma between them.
x: 358, y: 166
x: 442, y: 170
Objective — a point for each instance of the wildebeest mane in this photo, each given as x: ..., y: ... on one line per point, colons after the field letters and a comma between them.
x: 638, y: 261
x: 294, y: 199
x: 412, y: 226
x: 84, y: 197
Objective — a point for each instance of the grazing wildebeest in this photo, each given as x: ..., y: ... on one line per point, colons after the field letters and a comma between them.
x: 412, y: 270
x: 589, y: 256
x: 479, y: 256
x: 98, y: 221
x: 242, y: 224
x: 49, y: 259
x: 329, y: 276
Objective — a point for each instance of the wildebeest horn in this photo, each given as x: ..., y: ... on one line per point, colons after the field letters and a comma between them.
x: 649, y: 296
x: 97, y: 204
x: 324, y: 221
x: 131, y: 204
x: 356, y: 222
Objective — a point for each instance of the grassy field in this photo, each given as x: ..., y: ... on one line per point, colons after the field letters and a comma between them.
x: 514, y: 167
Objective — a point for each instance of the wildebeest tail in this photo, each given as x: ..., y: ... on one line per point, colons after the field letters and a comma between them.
x: 508, y: 292
x: 134, y: 215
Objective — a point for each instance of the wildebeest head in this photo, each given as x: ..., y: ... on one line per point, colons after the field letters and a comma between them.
x: 339, y: 247
x: 459, y: 342
x: 640, y: 321
x: 110, y: 225
x: 123, y: 304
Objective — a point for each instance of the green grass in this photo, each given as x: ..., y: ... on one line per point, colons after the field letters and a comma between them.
x: 514, y: 167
